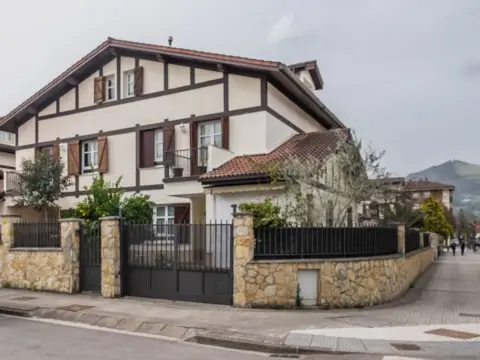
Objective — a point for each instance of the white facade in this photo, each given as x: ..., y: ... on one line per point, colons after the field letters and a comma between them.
x: 193, y: 94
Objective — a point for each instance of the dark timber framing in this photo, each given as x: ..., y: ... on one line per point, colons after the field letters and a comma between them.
x: 119, y: 79
x: 136, y: 98
x: 36, y: 129
x: 77, y: 98
x: 192, y: 75
x: 225, y: 92
x: 137, y: 158
x: 165, y: 76
x: 264, y: 91
x: 78, y: 193
x: 57, y: 104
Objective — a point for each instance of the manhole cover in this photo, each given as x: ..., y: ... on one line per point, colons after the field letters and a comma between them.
x: 406, y: 347
x: 453, y: 334
x: 75, y: 308
x: 469, y: 315
x: 25, y: 298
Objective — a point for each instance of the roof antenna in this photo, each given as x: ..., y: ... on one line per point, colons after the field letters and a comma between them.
x: 170, y: 40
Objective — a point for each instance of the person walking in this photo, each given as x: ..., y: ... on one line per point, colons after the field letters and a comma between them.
x: 453, y: 245
x: 462, y: 246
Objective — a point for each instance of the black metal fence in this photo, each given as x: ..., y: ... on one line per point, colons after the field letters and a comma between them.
x: 36, y: 234
x: 324, y: 242
x: 187, y: 246
x: 426, y: 240
x: 187, y: 162
x: 412, y: 240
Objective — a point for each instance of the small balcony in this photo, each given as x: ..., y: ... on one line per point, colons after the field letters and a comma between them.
x: 186, y: 164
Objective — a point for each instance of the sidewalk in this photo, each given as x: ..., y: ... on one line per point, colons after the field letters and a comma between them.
x: 446, y: 294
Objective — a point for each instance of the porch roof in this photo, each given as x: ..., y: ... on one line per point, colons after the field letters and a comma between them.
x: 318, y: 144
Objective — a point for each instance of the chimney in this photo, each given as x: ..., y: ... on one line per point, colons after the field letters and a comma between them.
x: 170, y: 40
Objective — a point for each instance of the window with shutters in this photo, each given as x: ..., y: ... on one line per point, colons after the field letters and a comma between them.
x: 158, y: 146
x: 110, y: 81
x: 163, y: 219
x: 129, y: 83
x: 89, y: 155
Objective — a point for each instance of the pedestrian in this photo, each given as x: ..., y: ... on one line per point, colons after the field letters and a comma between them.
x: 462, y: 246
x: 453, y: 245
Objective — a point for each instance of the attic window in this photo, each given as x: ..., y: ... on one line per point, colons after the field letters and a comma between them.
x: 110, y: 80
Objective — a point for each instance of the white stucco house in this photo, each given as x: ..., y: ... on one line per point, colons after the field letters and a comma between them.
x: 7, y: 161
x: 179, y: 125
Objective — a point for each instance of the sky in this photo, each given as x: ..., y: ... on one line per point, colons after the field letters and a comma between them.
x: 404, y: 74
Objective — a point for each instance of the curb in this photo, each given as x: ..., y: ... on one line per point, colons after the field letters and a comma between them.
x: 262, y: 347
x: 17, y: 309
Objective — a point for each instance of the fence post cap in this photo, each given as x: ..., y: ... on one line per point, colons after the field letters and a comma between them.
x: 110, y: 218
x: 245, y: 213
x: 70, y: 220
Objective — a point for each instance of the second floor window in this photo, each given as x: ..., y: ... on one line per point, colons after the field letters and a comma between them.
x: 89, y: 155
x: 129, y: 82
x: 6, y: 136
x: 210, y: 133
x: 158, y: 146
x: 110, y: 85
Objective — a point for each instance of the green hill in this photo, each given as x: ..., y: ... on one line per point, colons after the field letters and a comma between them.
x: 464, y: 176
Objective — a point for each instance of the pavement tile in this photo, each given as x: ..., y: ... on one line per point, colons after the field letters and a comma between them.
x: 296, y: 339
x: 173, y: 331
x: 379, y: 347
x: 89, y: 319
x: 351, y: 345
x: 108, y: 322
x: 320, y: 341
x: 128, y: 324
x: 66, y: 315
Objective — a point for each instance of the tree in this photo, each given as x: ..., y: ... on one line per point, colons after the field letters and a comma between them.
x: 403, y: 210
x: 465, y: 224
x: 41, y: 182
x: 265, y: 213
x: 328, y: 190
x: 434, y: 219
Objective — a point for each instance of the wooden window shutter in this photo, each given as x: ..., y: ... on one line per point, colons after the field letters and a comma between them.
x: 99, y: 90
x: 138, y: 81
x: 56, y: 151
x: 193, y: 148
x: 147, y: 148
x: 225, y: 133
x: 73, y: 162
x: 102, y: 154
x: 169, y: 143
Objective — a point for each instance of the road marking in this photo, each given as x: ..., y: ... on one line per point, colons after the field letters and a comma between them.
x: 144, y: 335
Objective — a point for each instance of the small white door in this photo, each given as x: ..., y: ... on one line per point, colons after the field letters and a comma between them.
x: 307, y: 281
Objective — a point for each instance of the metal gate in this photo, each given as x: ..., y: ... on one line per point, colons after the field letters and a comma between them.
x: 90, y: 260
x: 185, y: 262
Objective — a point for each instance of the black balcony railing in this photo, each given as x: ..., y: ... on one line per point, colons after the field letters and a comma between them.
x: 187, y: 162
x: 12, y: 179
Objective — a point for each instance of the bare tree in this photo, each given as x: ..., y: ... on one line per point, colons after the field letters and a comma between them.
x: 328, y: 190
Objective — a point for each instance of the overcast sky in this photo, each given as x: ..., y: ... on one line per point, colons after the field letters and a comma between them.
x: 405, y: 74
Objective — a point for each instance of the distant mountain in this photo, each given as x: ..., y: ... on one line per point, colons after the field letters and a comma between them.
x: 464, y: 176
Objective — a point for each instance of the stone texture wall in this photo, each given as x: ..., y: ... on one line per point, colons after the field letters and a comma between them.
x: 342, y: 283
x: 52, y: 269
x: 110, y: 254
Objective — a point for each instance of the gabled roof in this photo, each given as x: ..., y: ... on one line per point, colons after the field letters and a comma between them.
x: 318, y: 144
x: 426, y: 185
x: 106, y: 51
x: 312, y: 68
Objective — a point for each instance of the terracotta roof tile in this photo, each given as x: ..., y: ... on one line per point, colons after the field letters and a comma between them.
x: 318, y: 144
x: 425, y: 185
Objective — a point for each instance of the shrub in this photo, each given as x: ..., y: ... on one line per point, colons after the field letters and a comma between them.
x: 265, y: 213
x: 434, y: 219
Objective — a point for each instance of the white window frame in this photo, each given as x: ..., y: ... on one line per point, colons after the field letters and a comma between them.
x: 158, y: 143
x: 110, y: 78
x: 427, y: 193
x: 6, y: 136
x: 167, y: 218
x: 93, y: 149
x: 126, y: 88
x: 202, y: 160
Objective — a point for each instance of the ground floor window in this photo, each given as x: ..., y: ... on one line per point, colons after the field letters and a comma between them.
x: 163, y: 219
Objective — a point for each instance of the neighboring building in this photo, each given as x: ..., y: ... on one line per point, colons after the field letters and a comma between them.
x: 7, y: 159
x: 160, y: 117
x: 415, y: 190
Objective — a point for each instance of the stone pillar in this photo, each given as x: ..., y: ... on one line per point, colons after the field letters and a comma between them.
x: 401, y: 238
x: 422, y: 245
x: 243, y: 246
x: 110, y: 256
x: 7, y: 229
x: 70, y: 242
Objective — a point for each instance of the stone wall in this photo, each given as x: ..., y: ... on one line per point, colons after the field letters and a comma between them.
x: 51, y: 269
x: 342, y: 283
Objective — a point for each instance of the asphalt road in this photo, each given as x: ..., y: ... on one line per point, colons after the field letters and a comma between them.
x: 23, y: 339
